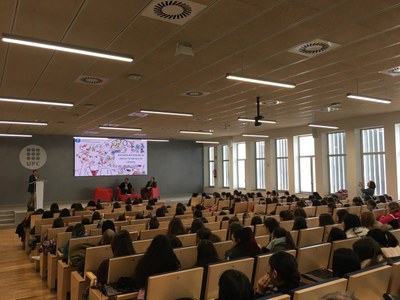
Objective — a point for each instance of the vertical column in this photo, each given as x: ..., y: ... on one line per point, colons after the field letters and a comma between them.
x: 353, y: 160
x: 390, y: 159
x: 292, y: 156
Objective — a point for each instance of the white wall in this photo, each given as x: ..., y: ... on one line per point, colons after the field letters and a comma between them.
x: 352, y: 129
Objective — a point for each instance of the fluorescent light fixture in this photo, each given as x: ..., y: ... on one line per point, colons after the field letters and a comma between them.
x: 20, y: 40
x: 31, y: 101
x: 168, y: 113
x: 159, y: 141
x: 206, y: 142
x: 255, y: 135
x: 259, y: 81
x: 24, y: 123
x: 89, y: 138
x: 15, y: 135
x: 196, y: 132
x: 323, y: 126
x: 120, y: 128
x: 252, y: 120
x: 370, y: 99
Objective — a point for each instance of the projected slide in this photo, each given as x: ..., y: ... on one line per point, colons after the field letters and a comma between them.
x: 107, y: 157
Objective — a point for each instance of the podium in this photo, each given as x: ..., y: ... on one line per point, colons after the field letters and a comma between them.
x: 39, y: 193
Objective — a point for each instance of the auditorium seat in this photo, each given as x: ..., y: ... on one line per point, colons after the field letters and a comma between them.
x: 317, y: 290
x: 105, y: 194
x: 123, y: 197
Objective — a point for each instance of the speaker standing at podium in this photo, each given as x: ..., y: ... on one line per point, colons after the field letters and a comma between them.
x: 32, y: 188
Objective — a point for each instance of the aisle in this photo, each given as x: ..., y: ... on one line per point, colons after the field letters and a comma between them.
x: 18, y: 279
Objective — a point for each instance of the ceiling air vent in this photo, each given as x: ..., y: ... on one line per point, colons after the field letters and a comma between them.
x: 395, y: 71
x: 313, y: 48
x: 91, y: 80
x: 195, y: 94
x: 176, y: 12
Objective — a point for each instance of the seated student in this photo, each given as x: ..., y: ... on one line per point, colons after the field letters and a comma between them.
x: 336, y: 234
x: 352, y: 226
x: 121, y: 245
x: 357, y: 201
x: 270, y: 224
x: 77, y: 232
x: 393, y: 217
x: 341, y: 213
x: 299, y: 212
x: 244, y: 244
x: 146, y: 191
x: 368, y: 220
x: 206, y: 234
x: 282, y: 275
x: 159, y: 258
x: 64, y: 213
x: 388, y: 242
x: 286, y: 215
x: 176, y: 227
x: 153, y: 223
x: 126, y: 187
x: 197, y: 224
x: 371, y: 204
x: 256, y: 220
x: 107, y: 237
x: 281, y: 240
x: 49, y: 246
x: 344, y: 261
x: 107, y: 224
x: 96, y: 216
x: 206, y: 253
x: 369, y: 252
x: 234, y: 284
x: 299, y: 223
x: 325, y: 219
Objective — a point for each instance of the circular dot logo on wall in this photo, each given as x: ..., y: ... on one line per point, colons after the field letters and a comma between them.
x: 33, y: 157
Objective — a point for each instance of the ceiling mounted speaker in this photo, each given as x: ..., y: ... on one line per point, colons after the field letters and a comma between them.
x: 176, y: 12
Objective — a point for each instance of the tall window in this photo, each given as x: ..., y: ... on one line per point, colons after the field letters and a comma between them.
x: 373, y: 148
x: 239, y: 164
x: 225, y: 166
x: 306, y: 163
x: 337, y: 161
x: 282, y: 173
x: 260, y: 165
x: 211, y: 166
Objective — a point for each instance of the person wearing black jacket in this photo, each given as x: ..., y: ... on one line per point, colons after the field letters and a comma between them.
x: 32, y: 188
x: 126, y: 187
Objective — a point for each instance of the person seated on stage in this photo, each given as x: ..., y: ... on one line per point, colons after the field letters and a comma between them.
x: 146, y: 191
x: 126, y: 187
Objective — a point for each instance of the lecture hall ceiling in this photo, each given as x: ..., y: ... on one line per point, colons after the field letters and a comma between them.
x: 250, y: 37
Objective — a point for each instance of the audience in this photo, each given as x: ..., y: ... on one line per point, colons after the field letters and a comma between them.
x: 369, y: 252
x: 281, y: 240
x: 325, y: 219
x: 206, y: 253
x: 234, y: 284
x: 345, y: 261
x: 159, y: 258
x: 352, y: 226
x: 244, y: 244
x: 336, y: 234
x: 176, y: 227
x: 270, y: 224
x: 393, y: 218
x: 299, y: 223
x: 387, y: 241
x: 282, y: 275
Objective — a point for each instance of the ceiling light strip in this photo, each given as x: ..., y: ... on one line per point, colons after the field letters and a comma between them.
x: 120, y: 128
x: 323, y: 126
x: 24, y: 123
x: 15, y: 135
x: 242, y: 119
x: 20, y: 40
x: 169, y: 113
x: 206, y: 142
x: 370, y: 99
x: 259, y: 81
x: 196, y: 132
x: 255, y: 135
x: 31, y: 101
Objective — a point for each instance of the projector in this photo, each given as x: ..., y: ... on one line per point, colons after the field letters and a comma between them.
x: 257, y: 120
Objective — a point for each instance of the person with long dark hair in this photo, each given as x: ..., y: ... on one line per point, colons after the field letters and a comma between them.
x: 159, y: 258
x: 234, y: 284
x: 206, y: 253
x: 282, y: 275
x: 281, y: 240
x: 244, y: 244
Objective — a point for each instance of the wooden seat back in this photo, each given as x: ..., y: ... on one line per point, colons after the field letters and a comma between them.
x: 152, y: 233
x: 319, y: 290
x: 141, y: 246
x: 394, y: 284
x: 313, y: 257
x: 347, y: 243
x: 122, y: 267
x: 370, y: 284
x: 188, y: 239
x: 187, y: 256
x: 175, y: 285
x: 222, y: 247
x: 213, y: 226
x: 215, y: 271
x: 310, y: 236
x: 221, y: 233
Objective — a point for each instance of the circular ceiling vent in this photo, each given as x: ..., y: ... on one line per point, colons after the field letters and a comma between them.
x: 172, y: 10
x: 314, y: 48
x: 195, y: 93
x: 91, y: 80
